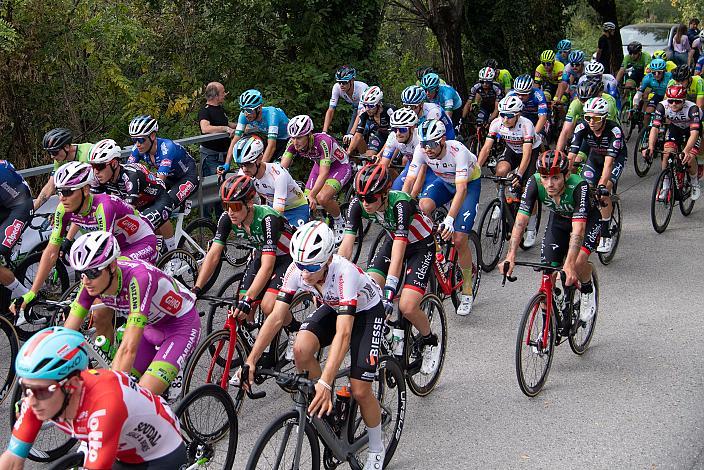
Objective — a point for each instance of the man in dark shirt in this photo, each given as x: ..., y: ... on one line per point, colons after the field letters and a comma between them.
x: 603, y: 53
x: 692, y: 34
x: 213, y: 120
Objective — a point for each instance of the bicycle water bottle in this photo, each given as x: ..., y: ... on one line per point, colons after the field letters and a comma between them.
x: 342, y: 407
x: 119, y: 333
x: 397, y: 339
x: 103, y: 345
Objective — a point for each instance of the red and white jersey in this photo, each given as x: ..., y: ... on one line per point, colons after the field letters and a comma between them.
x: 514, y: 137
x: 116, y: 417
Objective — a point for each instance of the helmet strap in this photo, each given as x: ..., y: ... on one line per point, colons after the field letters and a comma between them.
x: 151, y: 145
x: 112, y: 277
x: 83, y: 201
x: 259, y: 166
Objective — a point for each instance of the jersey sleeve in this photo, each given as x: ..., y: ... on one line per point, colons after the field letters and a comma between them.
x: 542, y: 103
x: 473, y: 91
x: 462, y: 166
x: 417, y: 162
x: 573, y: 110
x: 403, y: 217
x: 659, y: 115
x: 105, y: 217
x: 389, y: 146
x: 616, y: 143
x: 494, y: 128
x: 362, y: 122
x: 272, y: 124
x: 106, y: 420
x: 581, y: 202
x: 530, y: 195
x: 694, y: 118
x: 290, y: 284
x: 223, y: 230
x: 353, y: 219
x: 528, y: 132
x: 61, y: 221
x: 134, y: 156
x: 348, y: 288
x: 24, y: 432
x: 334, y: 96
x: 325, y: 153
x: 272, y: 226
x: 578, y: 136
x: 241, y: 123
x: 82, y: 303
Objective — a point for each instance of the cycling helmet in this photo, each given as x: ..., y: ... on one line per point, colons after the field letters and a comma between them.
x: 487, y: 74
x: 248, y: 150
x: 423, y: 71
x: 412, y: 95
x: 589, y: 88
x: 510, y: 104
x: 94, y: 250
x: 576, y: 57
x: 593, y: 69
x: 635, y: 47
x: 251, y: 99
x: 596, y: 105
x: 432, y: 129
x: 142, y: 126
x: 237, y: 188
x: 53, y: 353
x: 372, y: 96
x: 73, y: 175
x: 312, y: 244
x: 552, y: 161
x: 660, y: 54
x: 345, y: 74
x: 677, y: 92
x: 701, y: 34
x: 523, y: 84
x: 609, y: 26
x: 57, y: 138
x: 300, y: 125
x: 657, y: 65
x: 564, y: 45
x: 104, y: 151
x: 372, y: 179
x: 547, y: 56
x: 430, y: 81
x: 681, y: 73
x: 491, y: 63
x: 404, y: 117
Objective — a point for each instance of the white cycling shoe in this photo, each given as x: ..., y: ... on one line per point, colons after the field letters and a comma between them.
x: 339, y: 229
x: 431, y: 359
x: 696, y: 192
x: 604, y: 245
x: 586, y: 307
x: 664, y: 189
x: 465, y: 307
x: 529, y: 240
x: 496, y: 213
x: 375, y: 460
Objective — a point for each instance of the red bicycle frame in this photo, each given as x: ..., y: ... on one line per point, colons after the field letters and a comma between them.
x: 232, y: 324
x: 546, y: 287
x: 445, y: 281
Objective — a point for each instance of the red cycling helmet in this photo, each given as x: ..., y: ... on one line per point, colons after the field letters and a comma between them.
x: 677, y: 92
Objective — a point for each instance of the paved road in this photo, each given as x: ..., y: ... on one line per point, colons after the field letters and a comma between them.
x: 634, y: 400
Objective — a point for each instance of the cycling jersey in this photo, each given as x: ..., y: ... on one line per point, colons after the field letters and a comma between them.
x: 16, y: 207
x: 322, y: 149
x: 273, y: 123
x: 82, y: 155
x: 447, y: 97
x: 695, y: 89
x: 269, y: 231
x: 609, y: 144
x: 171, y: 160
x: 573, y: 203
x: 337, y: 93
x: 14, y: 190
x: 514, y: 137
x: 279, y: 188
x: 118, y: 419
x: 553, y: 77
x: 488, y: 97
x: 456, y: 165
x: 687, y: 117
x: 405, y: 149
x: 135, y: 185
x: 570, y: 75
x: 638, y: 65
x: 699, y: 66
x: 656, y: 87
x: 368, y: 124
x: 535, y: 106
x: 505, y: 79
x: 434, y: 111
x: 576, y: 110
x: 562, y: 57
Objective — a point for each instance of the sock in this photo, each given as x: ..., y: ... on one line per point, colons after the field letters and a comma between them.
x: 376, y: 443
x: 17, y: 288
x: 532, y: 222
x: 170, y: 243
x: 467, y: 284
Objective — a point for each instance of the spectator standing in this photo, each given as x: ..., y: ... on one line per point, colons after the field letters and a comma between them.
x: 693, y: 31
x: 603, y: 52
x: 680, y: 46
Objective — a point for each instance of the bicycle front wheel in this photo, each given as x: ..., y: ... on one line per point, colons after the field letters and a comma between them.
x: 640, y: 164
x: 276, y: 447
x: 662, y: 202
x: 9, y: 345
x: 582, y: 336
x: 491, y: 236
x: 615, y: 232
x: 181, y: 265
x: 685, y: 199
x: 422, y: 384
x: 533, y: 360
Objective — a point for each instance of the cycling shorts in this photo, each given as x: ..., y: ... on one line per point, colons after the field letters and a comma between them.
x: 430, y: 176
x: 679, y: 136
x: 418, y: 259
x: 483, y: 115
x: 593, y: 167
x: 375, y: 140
x: 277, y: 277
x: 298, y: 215
x: 339, y: 175
x: 365, y: 341
x: 13, y: 223
x: 166, y: 346
x: 144, y: 249
x: 442, y: 193
x: 159, y: 212
x: 181, y: 188
x: 555, y: 245
x: 514, y: 159
x: 171, y: 461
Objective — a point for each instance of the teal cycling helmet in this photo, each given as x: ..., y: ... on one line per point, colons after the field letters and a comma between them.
x: 430, y: 81
x: 250, y: 99
x: 432, y: 129
x: 576, y: 57
x: 564, y: 45
x: 657, y: 65
x: 412, y: 95
x: 52, y: 354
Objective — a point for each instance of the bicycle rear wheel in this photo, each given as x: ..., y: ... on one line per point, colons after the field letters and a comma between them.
x: 419, y: 383
x: 476, y: 249
x: 582, y: 336
x: 181, y: 265
x: 640, y: 164
x: 662, y: 202
x: 276, y: 446
x: 532, y: 360
x: 9, y: 345
x: 69, y: 462
x: 615, y: 231
x: 685, y: 196
x: 202, y: 231
x: 491, y: 234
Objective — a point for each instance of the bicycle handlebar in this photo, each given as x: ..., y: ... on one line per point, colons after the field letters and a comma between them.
x: 226, y: 301
x: 536, y: 267
x: 299, y: 381
x: 244, y: 381
x: 499, y: 179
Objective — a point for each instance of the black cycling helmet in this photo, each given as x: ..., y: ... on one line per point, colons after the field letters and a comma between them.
x: 635, y: 47
x: 237, y: 188
x: 422, y: 71
x: 372, y: 179
x: 552, y: 162
x: 590, y: 88
x: 56, y: 138
x: 681, y: 73
x: 491, y: 63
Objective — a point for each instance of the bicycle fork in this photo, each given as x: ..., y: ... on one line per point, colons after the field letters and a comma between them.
x: 546, y: 288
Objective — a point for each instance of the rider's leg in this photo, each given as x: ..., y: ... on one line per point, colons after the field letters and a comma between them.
x: 8, y: 280
x: 409, y: 305
x: 368, y: 406
x: 304, y: 350
x: 167, y: 231
x: 327, y: 197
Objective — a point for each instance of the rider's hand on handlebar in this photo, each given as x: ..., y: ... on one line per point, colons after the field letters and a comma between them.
x: 346, y: 139
x: 507, y: 266
x: 222, y: 169
x: 447, y: 227
x: 570, y: 275
x: 246, y: 384
x: 688, y: 155
x: 23, y: 302
x: 515, y: 179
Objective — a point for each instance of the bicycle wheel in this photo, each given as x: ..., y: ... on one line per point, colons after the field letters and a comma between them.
x: 685, y: 197
x: 218, y: 313
x: 209, y: 427
x: 359, y: 239
x: 71, y: 461
x: 532, y: 360
x: 662, y: 202
x: 491, y: 236
x: 476, y: 249
x: 615, y: 231
x: 640, y: 164
x: 53, y: 288
x: 181, y: 265
x: 58, y: 316
x: 420, y: 384
x: 276, y: 446
x: 202, y: 231
x: 9, y: 345
x: 237, y: 253
x: 580, y: 339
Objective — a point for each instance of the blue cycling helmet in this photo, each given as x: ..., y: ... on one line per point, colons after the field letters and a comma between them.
x: 412, y: 95
x: 430, y: 81
x: 657, y: 64
x: 432, y: 129
x: 523, y: 83
x: 576, y: 57
x: 345, y: 74
x: 250, y: 99
x: 564, y: 45
x: 52, y: 354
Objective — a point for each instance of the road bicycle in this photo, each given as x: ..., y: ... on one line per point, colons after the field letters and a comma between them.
x: 630, y: 116
x: 614, y: 225
x: 641, y: 162
x: 680, y: 190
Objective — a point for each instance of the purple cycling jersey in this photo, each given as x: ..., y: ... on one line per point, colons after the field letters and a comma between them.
x: 322, y: 149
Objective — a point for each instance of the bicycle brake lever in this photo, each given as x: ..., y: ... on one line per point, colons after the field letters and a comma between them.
x: 506, y: 276
x: 244, y: 380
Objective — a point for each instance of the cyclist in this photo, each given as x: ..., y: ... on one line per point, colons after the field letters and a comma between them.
x: 694, y: 85
x: 503, y: 76
x: 409, y: 245
x: 548, y: 74
x: 488, y: 93
x: 414, y: 97
x: 522, y: 147
x: 351, y: 315
x: 573, y: 227
x: 596, y: 70
x: 601, y: 141
x: 443, y: 95
x: 349, y: 89
x: 660, y: 54
x: 255, y: 118
x: 373, y: 126
x: 458, y: 182
x: 174, y: 166
x: 656, y: 81
x: 535, y: 106
x: 272, y: 182
x: 683, y: 120
x: 124, y: 425
x: 263, y: 227
x: 424, y: 70
x: 58, y: 143
x: 573, y: 71
x: 331, y: 166
x: 637, y: 60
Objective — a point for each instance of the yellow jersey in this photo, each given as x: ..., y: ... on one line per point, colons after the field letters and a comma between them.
x: 553, y: 77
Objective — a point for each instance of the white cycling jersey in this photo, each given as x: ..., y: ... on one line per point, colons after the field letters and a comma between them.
x: 456, y: 164
x: 515, y: 136
x: 337, y: 93
x: 279, y: 188
x: 607, y: 79
x: 405, y: 149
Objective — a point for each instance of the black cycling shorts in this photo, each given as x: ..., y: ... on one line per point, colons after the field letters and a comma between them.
x: 418, y: 262
x: 277, y: 277
x: 181, y: 188
x: 594, y: 166
x: 680, y: 136
x: 514, y: 159
x: 14, y: 220
x: 171, y: 461
x: 365, y: 342
x: 159, y: 212
x: 555, y: 245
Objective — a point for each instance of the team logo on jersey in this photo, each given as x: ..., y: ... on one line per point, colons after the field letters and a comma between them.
x: 339, y: 154
x: 128, y: 183
x: 12, y: 233
x: 617, y: 144
x: 373, y: 358
x: 588, y: 174
x: 129, y: 225
x: 164, y: 149
x: 184, y: 190
x: 171, y: 302
x: 579, y: 127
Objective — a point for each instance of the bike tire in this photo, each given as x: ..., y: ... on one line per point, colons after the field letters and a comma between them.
x: 615, y: 227
x: 9, y: 345
x: 658, y: 219
x: 288, y: 422
x: 476, y: 249
x: 375, y: 246
x: 186, y: 272
x: 579, y: 340
x: 686, y: 203
x: 417, y: 383
x: 532, y: 316
x: 72, y: 461
x: 491, y: 234
x: 202, y: 231
x: 187, y: 413
x: 640, y: 164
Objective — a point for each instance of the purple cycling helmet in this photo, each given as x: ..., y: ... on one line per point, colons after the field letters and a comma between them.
x: 94, y: 250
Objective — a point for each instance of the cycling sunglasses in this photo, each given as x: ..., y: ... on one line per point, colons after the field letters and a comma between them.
x: 401, y: 130
x: 485, y: 82
x: 235, y: 206
x: 40, y: 393
x: 675, y: 101
x: 594, y: 118
x: 98, y: 166
x: 548, y: 64
x: 65, y: 192
x: 369, y: 198
x: 507, y: 115
x: 343, y: 83
x: 53, y: 152
x: 430, y: 144
x: 311, y: 268
x: 370, y: 106
x: 139, y: 140
x: 658, y: 71
x: 249, y: 111
x: 578, y: 64
x: 92, y: 274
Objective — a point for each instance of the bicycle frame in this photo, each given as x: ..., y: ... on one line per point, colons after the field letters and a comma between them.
x: 445, y: 282
x: 546, y: 287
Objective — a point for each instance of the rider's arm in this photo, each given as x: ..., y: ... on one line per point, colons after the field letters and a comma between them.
x: 47, y: 191
x: 353, y: 220
x: 577, y: 139
x: 51, y: 252
x: 272, y: 227
x: 458, y: 199
x: 134, y: 329
x: 413, y: 170
x: 694, y: 129
x: 619, y: 75
x: 10, y: 461
x: 329, y: 114
x: 80, y: 307
x: 287, y: 157
x: 565, y: 135
x: 403, y: 215
x: 211, y: 261
x: 540, y: 125
x: 579, y: 223
x: 561, y: 88
x: 467, y: 108
x: 658, y: 119
x: 530, y: 195
x: 237, y: 135
x: 486, y: 148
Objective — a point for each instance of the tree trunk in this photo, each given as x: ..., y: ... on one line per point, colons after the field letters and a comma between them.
x: 606, y: 9
x: 451, y: 52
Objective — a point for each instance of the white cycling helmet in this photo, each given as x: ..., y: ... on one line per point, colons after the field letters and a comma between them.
x: 73, y: 175
x: 596, y: 105
x: 105, y: 151
x: 404, y: 117
x: 94, y: 250
x: 431, y: 129
x: 142, y: 126
x: 523, y: 84
x: 487, y: 74
x: 300, y: 125
x: 372, y: 96
x: 248, y: 150
x: 593, y: 69
x: 312, y: 244
x: 510, y: 104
